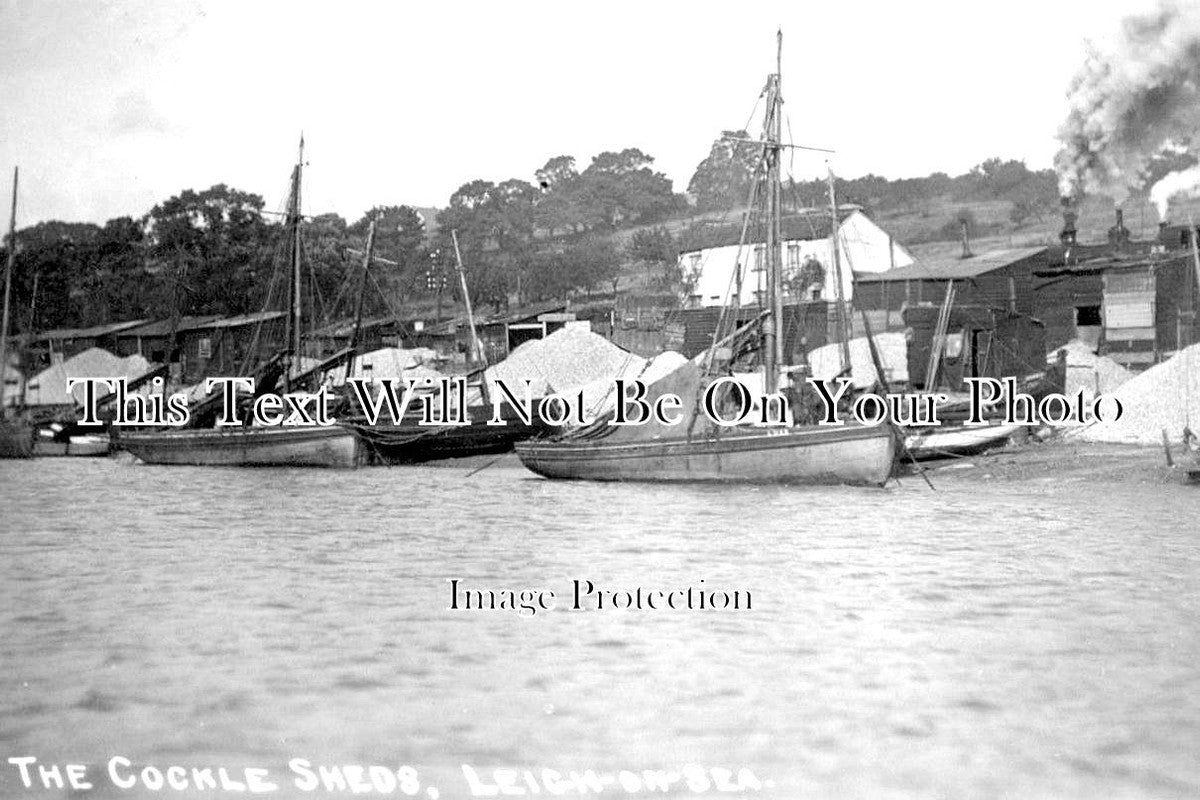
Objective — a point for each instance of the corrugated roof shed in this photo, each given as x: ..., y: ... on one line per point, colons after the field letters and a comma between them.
x: 86, y: 333
x: 164, y: 327
x: 234, y: 322
x: 952, y: 268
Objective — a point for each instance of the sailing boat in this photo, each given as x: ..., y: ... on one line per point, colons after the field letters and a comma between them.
x: 16, y: 432
x: 283, y: 445
x: 411, y: 442
x: 700, y: 450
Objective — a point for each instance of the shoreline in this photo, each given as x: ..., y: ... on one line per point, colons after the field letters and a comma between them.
x: 1061, y: 459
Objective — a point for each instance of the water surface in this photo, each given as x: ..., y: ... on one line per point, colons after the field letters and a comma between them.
x: 993, y: 639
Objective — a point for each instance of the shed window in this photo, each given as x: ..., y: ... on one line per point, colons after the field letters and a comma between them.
x: 204, y: 347
x: 1087, y: 316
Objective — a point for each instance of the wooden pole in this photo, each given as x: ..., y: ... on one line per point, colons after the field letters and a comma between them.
x: 297, y: 271
x: 8, y: 270
x: 1194, y: 288
x: 897, y: 434
x: 362, y: 290
x: 476, y: 344
x: 771, y: 323
x: 839, y: 287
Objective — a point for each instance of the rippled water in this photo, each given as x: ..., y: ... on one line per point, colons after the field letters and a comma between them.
x: 1019, y: 639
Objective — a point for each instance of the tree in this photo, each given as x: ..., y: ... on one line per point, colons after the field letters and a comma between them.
x: 400, y: 239
x: 809, y: 274
x: 54, y: 282
x: 656, y: 248
x: 127, y: 288
x: 586, y: 264
x: 621, y: 187
x: 557, y: 173
x: 723, y: 179
x: 559, y: 207
x: 217, y: 245
x: 495, y: 225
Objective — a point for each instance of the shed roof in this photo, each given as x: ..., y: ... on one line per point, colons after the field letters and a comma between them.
x: 345, y: 327
x: 807, y: 225
x: 233, y: 322
x: 164, y: 327
x: 86, y: 333
x: 952, y: 268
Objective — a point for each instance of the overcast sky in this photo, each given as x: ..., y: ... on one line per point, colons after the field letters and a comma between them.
x: 111, y: 107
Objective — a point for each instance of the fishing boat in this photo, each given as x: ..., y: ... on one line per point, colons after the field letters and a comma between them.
x: 413, y: 443
x: 247, y: 447
x: 958, y: 440
x: 58, y: 441
x: 410, y: 442
x: 253, y: 446
x: 16, y: 431
x: 699, y: 449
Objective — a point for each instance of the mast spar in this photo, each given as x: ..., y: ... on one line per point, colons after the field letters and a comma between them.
x: 843, y: 323
x: 772, y: 344
x: 294, y: 303
x: 8, y: 270
x: 476, y: 343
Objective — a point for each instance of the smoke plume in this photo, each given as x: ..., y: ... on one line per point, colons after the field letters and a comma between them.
x: 1133, y: 103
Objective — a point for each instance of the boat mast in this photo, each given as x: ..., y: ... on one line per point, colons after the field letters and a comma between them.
x: 362, y: 290
x: 476, y: 345
x: 294, y: 305
x: 839, y: 287
x: 8, y: 270
x: 772, y: 340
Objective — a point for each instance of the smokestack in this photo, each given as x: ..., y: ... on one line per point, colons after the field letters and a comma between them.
x: 1118, y: 235
x: 1067, y: 234
x: 966, y: 239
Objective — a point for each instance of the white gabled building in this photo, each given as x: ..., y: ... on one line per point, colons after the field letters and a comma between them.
x: 862, y: 245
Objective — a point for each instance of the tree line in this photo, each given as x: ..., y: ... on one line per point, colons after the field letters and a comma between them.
x: 217, y: 251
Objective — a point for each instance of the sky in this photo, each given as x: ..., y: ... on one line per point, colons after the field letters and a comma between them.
x: 112, y: 107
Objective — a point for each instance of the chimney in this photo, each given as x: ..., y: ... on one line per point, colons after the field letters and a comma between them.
x: 966, y: 240
x: 1067, y: 234
x: 1118, y: 235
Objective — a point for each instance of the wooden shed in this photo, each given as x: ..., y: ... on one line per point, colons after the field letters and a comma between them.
x: 1001, y: 280
x: 804, y: 328
x: 1149, y: 308
x: 229, y: 345
x: 980, y: 342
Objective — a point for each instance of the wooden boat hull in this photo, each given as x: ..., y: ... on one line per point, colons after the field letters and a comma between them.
x: 248, y: 447
x: 74, y: 446
x: 957, y: 440
x: 16, y: 438
x: 413, y: 443
x: 410, y: 444
x: 811, y: 455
